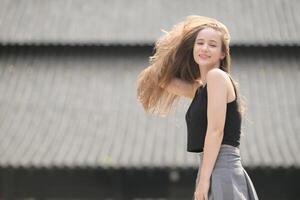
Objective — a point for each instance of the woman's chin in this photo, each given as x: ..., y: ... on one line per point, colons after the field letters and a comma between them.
x: 205, y: 64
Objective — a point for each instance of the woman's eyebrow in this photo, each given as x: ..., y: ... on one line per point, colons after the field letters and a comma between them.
x: 211, y: 40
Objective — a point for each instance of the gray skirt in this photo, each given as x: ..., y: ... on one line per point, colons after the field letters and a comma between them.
x: 229, y: 180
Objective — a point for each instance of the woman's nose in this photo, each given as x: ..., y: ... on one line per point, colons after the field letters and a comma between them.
x: 204, y: 47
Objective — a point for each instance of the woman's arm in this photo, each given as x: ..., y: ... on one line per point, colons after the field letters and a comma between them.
x: 182, y: 88
x: 216, y: 113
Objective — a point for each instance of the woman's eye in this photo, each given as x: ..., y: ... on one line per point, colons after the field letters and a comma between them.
x: 212, y: 45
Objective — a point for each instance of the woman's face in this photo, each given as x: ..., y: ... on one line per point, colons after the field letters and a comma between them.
x: 208, y: 48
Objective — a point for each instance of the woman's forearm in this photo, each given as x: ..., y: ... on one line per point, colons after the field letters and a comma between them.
x: 181, y: 88
x: 212, y: 146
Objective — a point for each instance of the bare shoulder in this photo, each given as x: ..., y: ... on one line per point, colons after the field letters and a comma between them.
x: 217, y: 77
x: 218, y: 80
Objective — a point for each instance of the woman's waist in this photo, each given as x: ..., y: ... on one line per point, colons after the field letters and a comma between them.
x: 228, y: 156
x: 227, y: 149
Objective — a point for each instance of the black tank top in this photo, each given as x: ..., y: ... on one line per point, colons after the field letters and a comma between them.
x: 196, y: 120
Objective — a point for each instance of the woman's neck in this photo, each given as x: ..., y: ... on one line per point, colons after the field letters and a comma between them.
x: 204, y: 71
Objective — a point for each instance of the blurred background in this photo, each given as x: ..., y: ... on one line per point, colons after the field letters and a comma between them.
x: 70, y: 124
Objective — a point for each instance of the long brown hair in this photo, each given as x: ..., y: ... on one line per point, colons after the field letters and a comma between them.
x: 173, y: 57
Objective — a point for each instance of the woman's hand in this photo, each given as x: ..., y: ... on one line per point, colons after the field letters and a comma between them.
x: 202, y: 188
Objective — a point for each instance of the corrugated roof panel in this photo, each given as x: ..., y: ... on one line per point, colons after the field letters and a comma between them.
x: 253, y: 22
x: 78, y: 109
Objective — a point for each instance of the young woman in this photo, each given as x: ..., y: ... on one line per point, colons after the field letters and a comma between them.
x: 193, y: 61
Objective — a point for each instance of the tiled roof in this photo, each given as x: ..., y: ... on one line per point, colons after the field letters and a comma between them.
x: 77, y: 108
x: 133, y: 22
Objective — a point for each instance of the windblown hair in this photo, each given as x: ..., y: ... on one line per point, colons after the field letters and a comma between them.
x: 173, y: 58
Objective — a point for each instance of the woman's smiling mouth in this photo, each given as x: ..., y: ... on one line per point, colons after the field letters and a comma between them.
x: 203, y: 56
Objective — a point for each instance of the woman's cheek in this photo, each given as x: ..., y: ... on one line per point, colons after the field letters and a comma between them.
x: 195, y: 56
